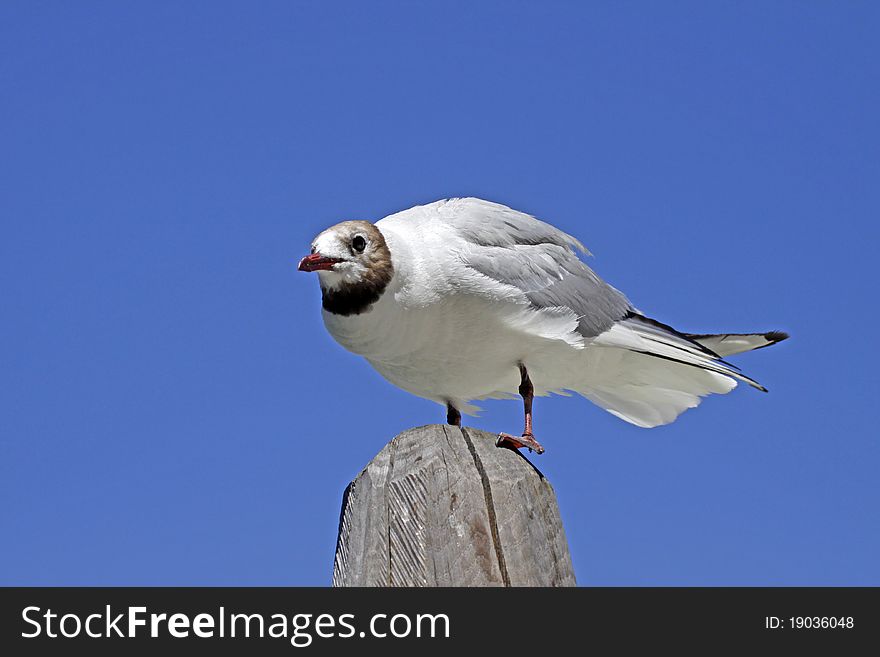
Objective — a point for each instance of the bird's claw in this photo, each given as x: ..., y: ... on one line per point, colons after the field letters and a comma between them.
x: 527, y: 440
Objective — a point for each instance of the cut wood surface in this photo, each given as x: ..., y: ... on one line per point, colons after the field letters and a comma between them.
x: 443, y: 506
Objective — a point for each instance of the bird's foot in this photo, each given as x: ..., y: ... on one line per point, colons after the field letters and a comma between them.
x: 518, y: 442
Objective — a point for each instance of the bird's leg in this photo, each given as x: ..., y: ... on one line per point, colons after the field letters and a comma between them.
x: 527, y: 392
x: 453, y: 417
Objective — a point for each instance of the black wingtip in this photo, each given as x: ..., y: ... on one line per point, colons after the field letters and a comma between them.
x: 776, y: 336
x: 772, y: 337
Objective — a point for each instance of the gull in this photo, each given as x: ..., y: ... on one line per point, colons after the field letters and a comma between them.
x: 464, y: 299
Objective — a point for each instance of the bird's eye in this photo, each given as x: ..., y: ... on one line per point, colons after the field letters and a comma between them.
x: 358, y: 243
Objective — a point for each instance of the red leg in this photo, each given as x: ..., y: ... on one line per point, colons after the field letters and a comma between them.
x: 527, y: 392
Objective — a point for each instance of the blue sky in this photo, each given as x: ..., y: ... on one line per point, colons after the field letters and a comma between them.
x: 172, y: 410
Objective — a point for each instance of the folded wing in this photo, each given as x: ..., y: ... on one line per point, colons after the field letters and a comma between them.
x: 537, y: 260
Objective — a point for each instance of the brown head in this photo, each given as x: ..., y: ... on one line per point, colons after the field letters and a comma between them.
x: 353, y: 264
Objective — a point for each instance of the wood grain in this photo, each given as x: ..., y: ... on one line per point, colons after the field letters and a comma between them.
x: 442, y: 506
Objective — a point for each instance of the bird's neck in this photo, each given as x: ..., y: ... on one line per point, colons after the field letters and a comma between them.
x: 348, y: 299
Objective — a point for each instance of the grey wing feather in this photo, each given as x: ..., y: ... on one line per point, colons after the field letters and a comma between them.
x: 516, y: 249
x: 492, y: 224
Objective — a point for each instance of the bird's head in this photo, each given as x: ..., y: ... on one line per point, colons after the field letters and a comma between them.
x: 353, y: 264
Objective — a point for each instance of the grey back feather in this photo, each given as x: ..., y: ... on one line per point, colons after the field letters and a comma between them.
x: 516, y: 249
x: 492, y: 224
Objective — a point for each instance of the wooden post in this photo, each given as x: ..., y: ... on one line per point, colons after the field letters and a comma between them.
x: 442, y: 506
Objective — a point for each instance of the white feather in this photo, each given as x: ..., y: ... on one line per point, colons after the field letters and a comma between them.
x: 728, y: 344
x: 644, y: 390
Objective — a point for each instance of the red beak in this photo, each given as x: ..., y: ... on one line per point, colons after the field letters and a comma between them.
x: 316, y: 262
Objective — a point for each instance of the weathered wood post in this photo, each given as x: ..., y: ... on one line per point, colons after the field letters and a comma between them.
x: 442, y: 506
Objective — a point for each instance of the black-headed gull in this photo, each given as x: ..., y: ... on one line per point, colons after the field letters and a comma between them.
x: 464, y: 299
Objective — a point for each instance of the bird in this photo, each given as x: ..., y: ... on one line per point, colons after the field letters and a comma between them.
x: 465, y: 299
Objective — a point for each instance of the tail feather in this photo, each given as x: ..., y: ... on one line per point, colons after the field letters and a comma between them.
x: 647, y: 373
x: 647, y: 391
x: 650, y: 337
x: 728, y: 344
